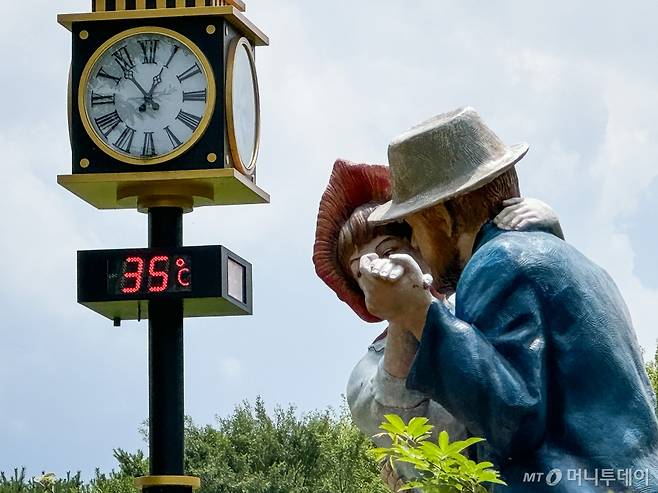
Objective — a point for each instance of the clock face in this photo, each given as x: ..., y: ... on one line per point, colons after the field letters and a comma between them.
x: 242, y: 105
x: 146, y: 95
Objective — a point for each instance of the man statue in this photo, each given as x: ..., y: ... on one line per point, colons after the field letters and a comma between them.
x: 540, y: 357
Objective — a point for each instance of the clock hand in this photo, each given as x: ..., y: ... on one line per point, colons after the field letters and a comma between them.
x: 142, y: 90
x: 147, y: 96
x: 156, y: 80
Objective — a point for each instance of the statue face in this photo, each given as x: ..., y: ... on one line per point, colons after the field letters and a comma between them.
x: 432, y: 236
x: 384, y: 245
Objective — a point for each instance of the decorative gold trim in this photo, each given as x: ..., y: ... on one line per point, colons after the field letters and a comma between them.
x: 233, y: 16
x: 212, y: 157
x: 148, y: 481
x: 246, y: 168
x: 239, y: 4
x: 101, y: 5
x: 144, y: 203
x: 84, y: 162
x: 211, y: 29
x: 196, y: 135
x: 225, y: 186
x: 165, y: 194
x: 84, y: 34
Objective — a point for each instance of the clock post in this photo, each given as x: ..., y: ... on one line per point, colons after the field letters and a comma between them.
x: 166, y: 393
x: 164, y: 117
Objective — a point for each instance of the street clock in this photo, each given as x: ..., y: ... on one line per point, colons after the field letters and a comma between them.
x: 163, y: 102
x: 164, y: 117
x: 146, y: 96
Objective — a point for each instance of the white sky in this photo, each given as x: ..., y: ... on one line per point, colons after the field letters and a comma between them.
x: 577, y: 80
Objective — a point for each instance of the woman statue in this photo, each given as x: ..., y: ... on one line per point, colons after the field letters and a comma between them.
x: 377, y: 385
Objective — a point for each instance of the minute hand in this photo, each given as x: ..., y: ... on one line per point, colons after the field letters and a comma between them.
x: 147, y: 96
x: 139, y: 86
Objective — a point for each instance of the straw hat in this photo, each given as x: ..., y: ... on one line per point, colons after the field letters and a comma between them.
x: 350, y: 186
x: 443, y: 157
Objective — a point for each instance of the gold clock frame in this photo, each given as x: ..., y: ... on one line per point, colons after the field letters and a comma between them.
x: 203, y: 124
x: 246, y: 168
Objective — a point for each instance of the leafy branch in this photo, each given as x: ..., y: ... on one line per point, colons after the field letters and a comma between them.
x: 441, y: 465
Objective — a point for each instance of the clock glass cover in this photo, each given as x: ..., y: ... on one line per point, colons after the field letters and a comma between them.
x: 146, y: 95
x: 243, y: 106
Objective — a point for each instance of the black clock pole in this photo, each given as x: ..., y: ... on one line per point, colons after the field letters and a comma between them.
x: 166, y: 394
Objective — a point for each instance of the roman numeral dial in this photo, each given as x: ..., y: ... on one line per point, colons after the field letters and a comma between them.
x: 149, y: 50
x: 190, y: 72
x: 147, y: 96
x: 189, y: 120
x: 124, y: 60
x: 104, y: 74
x: 196, y: 95
x: 125, y: 140
x: 97, y: 99
x: 175, y: 141
x: 148, y: 148
x: 107, y: 123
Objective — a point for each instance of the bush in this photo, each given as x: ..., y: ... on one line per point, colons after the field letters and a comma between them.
x: 246, y: 452
x: 48, y: 483
x: 251, y: 452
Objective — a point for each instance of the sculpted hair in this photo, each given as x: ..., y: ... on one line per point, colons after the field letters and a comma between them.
x: 357, y: 231
x: 464, y: 214
x: 475, y: 208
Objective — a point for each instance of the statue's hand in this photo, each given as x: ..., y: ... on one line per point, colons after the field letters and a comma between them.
x: 522, y: 214
x: 390, y: 477
x: 396, y: 290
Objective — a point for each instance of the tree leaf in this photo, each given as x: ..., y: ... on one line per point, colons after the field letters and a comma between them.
x: 444, y: 440
x: 396, y: 423
x: 464, y: 444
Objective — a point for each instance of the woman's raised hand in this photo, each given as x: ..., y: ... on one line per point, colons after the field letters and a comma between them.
x: 396, y: 290
x: 523, y: 213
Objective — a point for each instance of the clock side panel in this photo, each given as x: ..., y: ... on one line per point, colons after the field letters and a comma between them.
x: 230, y: 34
x: 233, y: 35
x: 207, y: 152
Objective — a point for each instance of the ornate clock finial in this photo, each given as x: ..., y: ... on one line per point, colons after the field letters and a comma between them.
x: 117, y: 5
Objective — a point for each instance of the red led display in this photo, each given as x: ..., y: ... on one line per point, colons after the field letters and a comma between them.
x: 151, y: 274
x: 183, y: 276
x: 132, y: 276
x: 155, y: 275
x: 122, y: 283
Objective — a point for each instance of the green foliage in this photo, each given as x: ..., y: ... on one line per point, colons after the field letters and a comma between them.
x: 252, y: 452
x: 49, y: 483
x: 443, y: 467
x: 652, y: 371
x: 249, y: 451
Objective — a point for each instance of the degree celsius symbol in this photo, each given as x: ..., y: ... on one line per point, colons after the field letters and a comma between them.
x: 154, y: 274
x: 183, y: 271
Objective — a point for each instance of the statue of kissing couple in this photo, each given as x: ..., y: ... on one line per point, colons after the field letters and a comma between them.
x: 537, y: 354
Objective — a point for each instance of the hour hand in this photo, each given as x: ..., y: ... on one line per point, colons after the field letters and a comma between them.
x: 156, y: 80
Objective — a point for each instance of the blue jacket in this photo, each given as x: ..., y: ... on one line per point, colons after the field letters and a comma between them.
x: 541, y: 360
